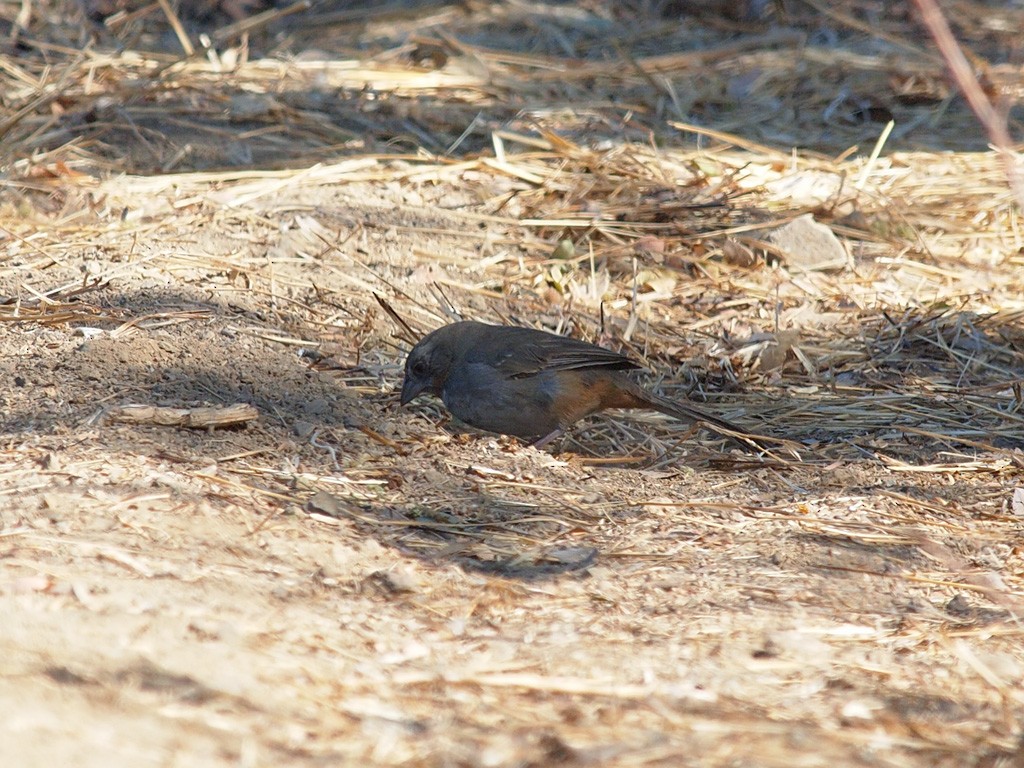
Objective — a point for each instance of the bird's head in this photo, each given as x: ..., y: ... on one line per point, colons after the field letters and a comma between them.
x: 427, y: 366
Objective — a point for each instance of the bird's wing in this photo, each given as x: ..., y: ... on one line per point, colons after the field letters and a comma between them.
x: 535, y: 351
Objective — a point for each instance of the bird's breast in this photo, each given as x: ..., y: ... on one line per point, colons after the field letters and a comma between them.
x: 485, y: 397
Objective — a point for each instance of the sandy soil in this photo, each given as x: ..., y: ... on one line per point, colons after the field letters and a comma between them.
x: 303, y: 591
x: 343, y: 581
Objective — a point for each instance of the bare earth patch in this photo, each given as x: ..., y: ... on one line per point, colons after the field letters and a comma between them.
x: 342, y: 581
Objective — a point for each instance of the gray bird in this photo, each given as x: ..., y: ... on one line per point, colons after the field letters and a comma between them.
x: 532, y: 384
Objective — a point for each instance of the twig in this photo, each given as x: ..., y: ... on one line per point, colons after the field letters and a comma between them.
x: 963, y: 74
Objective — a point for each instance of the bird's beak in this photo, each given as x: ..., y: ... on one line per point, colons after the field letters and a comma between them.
x: 410, y: 389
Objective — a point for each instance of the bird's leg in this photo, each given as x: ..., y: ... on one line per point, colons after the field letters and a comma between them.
x: 548, y: 438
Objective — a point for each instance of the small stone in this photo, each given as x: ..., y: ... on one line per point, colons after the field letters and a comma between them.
x: 808, y: 246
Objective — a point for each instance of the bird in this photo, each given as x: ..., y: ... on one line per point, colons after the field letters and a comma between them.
x: 532, y: 384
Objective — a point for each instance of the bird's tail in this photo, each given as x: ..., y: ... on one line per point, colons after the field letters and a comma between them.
x: 690, y: 414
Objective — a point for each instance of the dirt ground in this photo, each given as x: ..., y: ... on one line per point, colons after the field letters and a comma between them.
x: 345, y: 581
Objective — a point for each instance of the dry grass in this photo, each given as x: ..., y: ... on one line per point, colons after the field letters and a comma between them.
x: 345, y: 581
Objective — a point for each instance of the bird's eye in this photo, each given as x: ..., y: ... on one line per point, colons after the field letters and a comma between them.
x: 419, y: 367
